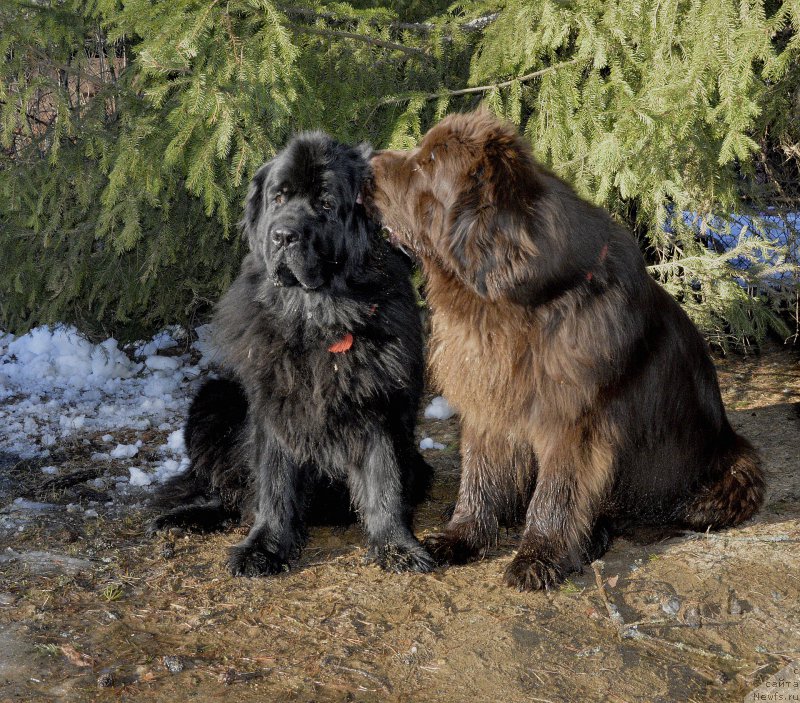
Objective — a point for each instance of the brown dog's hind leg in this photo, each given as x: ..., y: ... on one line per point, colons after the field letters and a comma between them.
x: 495, y: 481
x: 734, y: 496
x: 562, y: 530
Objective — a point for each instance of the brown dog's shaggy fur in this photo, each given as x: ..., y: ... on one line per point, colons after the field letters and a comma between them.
x: 586, y: 395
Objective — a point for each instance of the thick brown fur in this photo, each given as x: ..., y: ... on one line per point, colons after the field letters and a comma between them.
x: 586, y: 395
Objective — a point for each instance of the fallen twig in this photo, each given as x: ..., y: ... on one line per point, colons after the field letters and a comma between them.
x: 75, y: 477
x: 613, y: 612
x: 632, y: 631
x: 366, y: 674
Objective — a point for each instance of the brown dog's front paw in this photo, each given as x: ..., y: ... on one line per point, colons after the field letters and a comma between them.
x: 531, y: 573
x: 447, y: 548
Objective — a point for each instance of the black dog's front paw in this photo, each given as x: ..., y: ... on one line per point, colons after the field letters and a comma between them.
x: 253, y: 560
x: 400, y: 557
x: 528, y: 572
x: 449, y: 548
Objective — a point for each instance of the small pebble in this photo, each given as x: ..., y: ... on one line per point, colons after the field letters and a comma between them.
x: 228, y: 677
x: 105, y: 680
x: 173, y: 664
x: 735, y: 606
x: 691, y: 616
x: 614, y: 614
x: 91, y: 512
x: 671, y: 605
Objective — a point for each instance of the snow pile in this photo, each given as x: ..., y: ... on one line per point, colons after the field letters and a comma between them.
x: 55, y: 383
x: 428, y: 443
x: 439, y: 409
x: 62, y: 358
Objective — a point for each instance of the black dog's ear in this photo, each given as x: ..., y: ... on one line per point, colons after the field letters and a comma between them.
x: 365, y: 151
x: 254, y: 205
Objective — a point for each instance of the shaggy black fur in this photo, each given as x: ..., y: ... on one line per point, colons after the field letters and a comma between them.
x: 297, y: 428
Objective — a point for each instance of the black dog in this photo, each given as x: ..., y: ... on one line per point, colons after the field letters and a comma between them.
x: 321, y: 336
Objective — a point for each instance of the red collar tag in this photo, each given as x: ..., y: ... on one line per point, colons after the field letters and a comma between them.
x: 342, y: 345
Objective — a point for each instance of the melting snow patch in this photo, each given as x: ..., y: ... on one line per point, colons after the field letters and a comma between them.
x: 204, y: 345
x: 428, y: 443
x: 126, y: 451
x: 439, y: 409
x: 175, y: 442
x: 170, y: 468
x: 23, y: 504
x: 62, y: 384
x: 139, y: 477
x: 162, y: 363
x: 163, y: 340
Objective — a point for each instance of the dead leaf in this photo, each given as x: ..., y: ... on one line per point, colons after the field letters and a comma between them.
x: 613, y: 581
x: 75, y: 657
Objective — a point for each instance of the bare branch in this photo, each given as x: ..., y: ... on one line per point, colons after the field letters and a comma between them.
x: 360, y: 37
x: 476, y: 25
x: 481, y: 88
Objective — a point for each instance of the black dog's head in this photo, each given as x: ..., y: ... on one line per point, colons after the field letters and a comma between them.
x: 303, y: 214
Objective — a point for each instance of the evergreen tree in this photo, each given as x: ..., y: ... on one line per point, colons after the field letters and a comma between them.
x: 130, y: 129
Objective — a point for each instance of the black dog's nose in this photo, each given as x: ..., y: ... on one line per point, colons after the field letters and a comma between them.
x: 284, y: 236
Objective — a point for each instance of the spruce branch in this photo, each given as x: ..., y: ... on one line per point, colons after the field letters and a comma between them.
x: 374, y: 41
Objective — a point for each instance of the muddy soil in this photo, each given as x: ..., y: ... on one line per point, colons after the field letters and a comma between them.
x: 90, y: 609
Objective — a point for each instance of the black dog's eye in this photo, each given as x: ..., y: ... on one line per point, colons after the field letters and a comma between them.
x: 279, y: 198
x: 326, y: 205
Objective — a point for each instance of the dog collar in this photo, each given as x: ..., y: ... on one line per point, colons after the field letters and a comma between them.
x: 346, y: 342
x: 342, y: 345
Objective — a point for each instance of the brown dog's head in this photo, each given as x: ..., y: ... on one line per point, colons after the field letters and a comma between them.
x: 465, y: 201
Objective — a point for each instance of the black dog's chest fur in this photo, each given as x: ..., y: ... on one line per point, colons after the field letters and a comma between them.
x: 317, y: 400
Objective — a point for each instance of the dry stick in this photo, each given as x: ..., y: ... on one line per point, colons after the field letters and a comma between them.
x: 475, y: 25
x: 481, y: 88
x: 700, y: 537
x: 366, y: 674
x: 613, y: 612
x: 60, y: 482
x: 632, y: 631
x: 361, y: 37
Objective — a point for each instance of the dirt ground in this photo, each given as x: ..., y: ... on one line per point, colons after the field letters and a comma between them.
x: 90, y: 609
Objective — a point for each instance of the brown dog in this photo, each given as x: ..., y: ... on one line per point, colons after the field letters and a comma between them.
x: 586, y: 394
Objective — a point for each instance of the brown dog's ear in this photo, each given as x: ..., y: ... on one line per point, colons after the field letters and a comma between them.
x: 516, y: 232
x: 489, y: 240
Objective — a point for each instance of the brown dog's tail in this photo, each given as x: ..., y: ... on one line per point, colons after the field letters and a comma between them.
x: 735, y: 495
